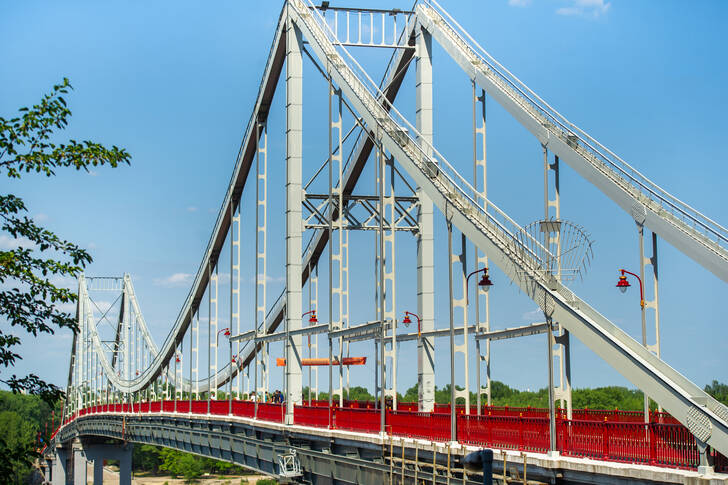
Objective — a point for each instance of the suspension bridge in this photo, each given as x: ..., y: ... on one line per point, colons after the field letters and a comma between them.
x: 383, y: 181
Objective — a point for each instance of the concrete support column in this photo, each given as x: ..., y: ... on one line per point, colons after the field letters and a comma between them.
x: 294, y: 221
x: 79, y: 465
x: 58, y: 468
x: 97, y: 453
x: 98, y: 471
x: 705, y: 467
x: 425, y: 237
x: 124, y: 457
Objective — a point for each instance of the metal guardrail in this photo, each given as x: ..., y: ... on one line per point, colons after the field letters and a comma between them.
x: 639, y: 186
x: 661, y: 444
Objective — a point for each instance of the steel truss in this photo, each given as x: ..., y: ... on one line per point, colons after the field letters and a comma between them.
x: 132, y: 368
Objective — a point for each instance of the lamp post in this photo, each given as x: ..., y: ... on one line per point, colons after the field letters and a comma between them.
x: 311, y: 320
x: 623, y: 285
x: 486, y: 284
x: 225, y: 331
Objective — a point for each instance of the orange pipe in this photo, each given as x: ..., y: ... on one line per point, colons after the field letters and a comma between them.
x: 281, y: 362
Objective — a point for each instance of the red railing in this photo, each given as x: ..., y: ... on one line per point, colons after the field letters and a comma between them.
x: 311, y: 416
x: 366, y: 420
x: 674, y: 446
x: 619, y: 436
x: 245, y: 409
x: 199, y: 407
x: 271, y: 412
x: 433, y: 426
x: 507, y: 432
x: 219, y: 407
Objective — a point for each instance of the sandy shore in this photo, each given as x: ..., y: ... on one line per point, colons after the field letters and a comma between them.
x: 111, y: 477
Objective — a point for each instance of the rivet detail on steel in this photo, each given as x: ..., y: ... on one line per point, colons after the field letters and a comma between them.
x: 698, y: 424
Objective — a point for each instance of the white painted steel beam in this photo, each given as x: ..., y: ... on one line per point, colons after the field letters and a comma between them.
x: 294, y: 225
x: 493, y: 233
x: 425, y: 237
x: 700, y: 238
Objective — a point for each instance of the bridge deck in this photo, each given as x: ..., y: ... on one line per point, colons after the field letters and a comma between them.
x: 606, y: 439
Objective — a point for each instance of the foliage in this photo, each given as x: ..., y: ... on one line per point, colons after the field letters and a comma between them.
x: 266, y: 481
x: 181, y: 464
x: 718, y: 390
x: 146, y: 458
x: 156, y: 460
x: 28, y: 299
x: 356, y: 393
x: 22, y: 417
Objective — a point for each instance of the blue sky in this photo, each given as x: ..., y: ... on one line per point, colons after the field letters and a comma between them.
x: 174, y: 83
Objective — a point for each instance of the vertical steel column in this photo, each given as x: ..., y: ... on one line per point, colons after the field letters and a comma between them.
x: 235, y: 288
x: 75, y: 369
x: 425, y: 236
x: 261, y: 275
x: 214, y: 315
x: 645, y: 304
x: 94, y: 373
x: 330, y: 220
x: 379, y: 264
x: 482, y: 320
x: 336, y: 236
x: 552, y: 400
x: 137, y: 355
x: 552, y: 241
x: 313, y: 376
x: 190, y: 329
x: 195, y: 350
x: 387, y: 283
x: 178, y: 366
x: 453, y: 416
x: 127, y: 333
x: 294, y: 202
x: 462, y: 303
x: 81, y: 350
x: 209, y: 335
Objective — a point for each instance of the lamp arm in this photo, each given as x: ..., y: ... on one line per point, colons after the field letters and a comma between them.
x: 642, y: 293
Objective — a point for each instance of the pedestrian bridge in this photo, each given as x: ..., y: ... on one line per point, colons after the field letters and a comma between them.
x: 123, y: 386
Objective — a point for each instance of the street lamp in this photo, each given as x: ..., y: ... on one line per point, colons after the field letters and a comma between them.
x: 226, y: 331
x: 312, y: 318
x: 484, y: 282
x: 406, y: 320
x: 623, y: 284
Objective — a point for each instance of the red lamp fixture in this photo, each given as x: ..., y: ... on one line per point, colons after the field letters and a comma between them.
x: 623, y: 284
x: 485, y: 282
x: 406, y: 320
x: 312, y: 318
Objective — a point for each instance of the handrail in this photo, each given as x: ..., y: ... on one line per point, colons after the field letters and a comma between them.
x: 392, y: 122
x: 592, y: 150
